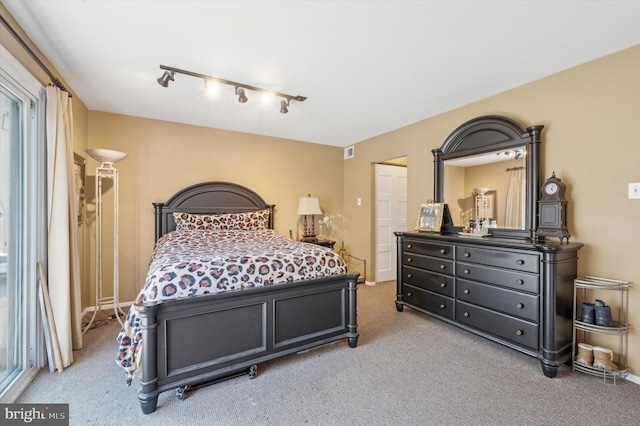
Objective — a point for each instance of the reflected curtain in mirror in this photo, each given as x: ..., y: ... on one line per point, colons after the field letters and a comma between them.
x: 515, y: 203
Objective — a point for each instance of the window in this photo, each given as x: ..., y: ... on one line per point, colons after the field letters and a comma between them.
x: 22, y: 224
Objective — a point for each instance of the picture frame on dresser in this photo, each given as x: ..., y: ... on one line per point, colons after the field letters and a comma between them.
x: 429, y: 217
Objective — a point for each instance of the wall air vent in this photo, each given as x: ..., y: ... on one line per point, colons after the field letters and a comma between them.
x: 349, y: 152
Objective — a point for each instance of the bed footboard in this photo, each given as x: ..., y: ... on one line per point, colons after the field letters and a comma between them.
x: 207, y: 338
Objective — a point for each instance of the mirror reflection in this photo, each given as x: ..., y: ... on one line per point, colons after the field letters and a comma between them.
x: 489, y: 187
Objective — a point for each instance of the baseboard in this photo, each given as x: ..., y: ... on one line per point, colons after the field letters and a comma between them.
x: 107, y: 307
x: 634, y: 379
x: 370, y: 282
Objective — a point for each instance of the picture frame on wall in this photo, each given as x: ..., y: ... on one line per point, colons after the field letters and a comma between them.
x: 429, y: 217
x: 79, y: 178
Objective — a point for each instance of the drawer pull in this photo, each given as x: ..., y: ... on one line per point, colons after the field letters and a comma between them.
x: 442, y: 266
x: 466, y: 314
x: 520, y: 282
x: 466, y: 291
x: 409, y: 246
x: 443, y: 251
x: 467, y: 254
x: 443, y: 285
x: 409, y: 294
x: 519, y: 332
x: 466, y: 271
x: 409, y: 259
x: 520, y: 262
x: 409, y: 275
x: 519, y: 305
x: 442, y: 306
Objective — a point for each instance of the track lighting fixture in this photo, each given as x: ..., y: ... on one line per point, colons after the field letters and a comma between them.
x: 515, y: 154
x: 166, y: 77
x: 242, y: 98
x: 169, y: 75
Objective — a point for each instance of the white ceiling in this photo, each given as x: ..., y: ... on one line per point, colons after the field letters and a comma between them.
x: 367, y: 67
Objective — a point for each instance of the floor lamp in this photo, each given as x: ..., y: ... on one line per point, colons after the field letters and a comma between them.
x: 106, y: 170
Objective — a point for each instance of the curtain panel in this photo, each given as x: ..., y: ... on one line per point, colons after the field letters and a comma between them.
x: 515, y: 213
x: 63, y: 261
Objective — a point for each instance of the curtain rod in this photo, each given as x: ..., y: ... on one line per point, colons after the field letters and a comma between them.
x: 26, y: 47
x: 514, y: 168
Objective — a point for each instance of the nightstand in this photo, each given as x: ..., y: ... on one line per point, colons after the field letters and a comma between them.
x: 325, y: 243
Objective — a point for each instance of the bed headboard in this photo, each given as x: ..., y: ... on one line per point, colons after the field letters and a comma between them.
x: 208, y: 198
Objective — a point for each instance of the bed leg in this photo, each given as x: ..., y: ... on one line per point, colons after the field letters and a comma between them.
x: 352, y: 326
x: 253, y: 370
x: 148, y: 395
x: 149, y: 406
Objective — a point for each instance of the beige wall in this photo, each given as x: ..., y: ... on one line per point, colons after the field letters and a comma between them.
x: 591, y: 115
x: 166, y: 157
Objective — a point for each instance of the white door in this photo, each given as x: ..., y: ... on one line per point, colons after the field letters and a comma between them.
x: 391, y: 216
x: 23, y: 221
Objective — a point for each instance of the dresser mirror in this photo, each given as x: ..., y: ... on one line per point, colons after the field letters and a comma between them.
x: 488, y: 170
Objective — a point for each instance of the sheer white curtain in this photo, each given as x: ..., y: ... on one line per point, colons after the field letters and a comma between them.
x: 63, y: 256
x: 516, y: 199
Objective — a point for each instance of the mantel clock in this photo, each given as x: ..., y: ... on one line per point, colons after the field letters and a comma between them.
x: 552, y: 210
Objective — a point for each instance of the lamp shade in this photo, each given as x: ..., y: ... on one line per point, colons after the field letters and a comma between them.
x: 106, y: 155
x: 309, y: 205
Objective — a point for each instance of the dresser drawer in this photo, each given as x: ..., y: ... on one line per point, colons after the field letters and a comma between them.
x: 516, y: 280
x: 441, y: 266
x: 511, y: 302
x: 428, y: 280
x: 515, y: 330
x: 430, y: 249
x: 503, y: 259
x: 426, y: 300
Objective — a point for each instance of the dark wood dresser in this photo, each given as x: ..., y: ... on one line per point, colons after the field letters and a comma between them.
x: 514, y: 292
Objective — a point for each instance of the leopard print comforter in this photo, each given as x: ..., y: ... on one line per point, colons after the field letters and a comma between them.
x: 189, y: 263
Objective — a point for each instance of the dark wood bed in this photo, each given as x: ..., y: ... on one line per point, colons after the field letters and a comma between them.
x: 240, y: 328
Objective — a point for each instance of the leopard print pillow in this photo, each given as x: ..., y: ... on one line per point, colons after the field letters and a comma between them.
x: 249, y: 221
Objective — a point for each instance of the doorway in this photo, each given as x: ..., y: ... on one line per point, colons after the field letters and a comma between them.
x: 390, y: 214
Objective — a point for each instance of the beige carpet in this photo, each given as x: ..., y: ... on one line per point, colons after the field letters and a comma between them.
x: 408, y: 369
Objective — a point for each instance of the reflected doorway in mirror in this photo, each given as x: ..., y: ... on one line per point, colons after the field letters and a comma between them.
x: 485, y: 206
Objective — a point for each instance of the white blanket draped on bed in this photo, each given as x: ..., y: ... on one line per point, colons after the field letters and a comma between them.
x: 189, y: 263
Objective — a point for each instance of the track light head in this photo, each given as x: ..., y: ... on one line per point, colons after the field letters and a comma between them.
x: 242, y: 98
x: 267, y: 97
x: 283, y: 106
x: 211, y: 85
x: 166, y: 78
